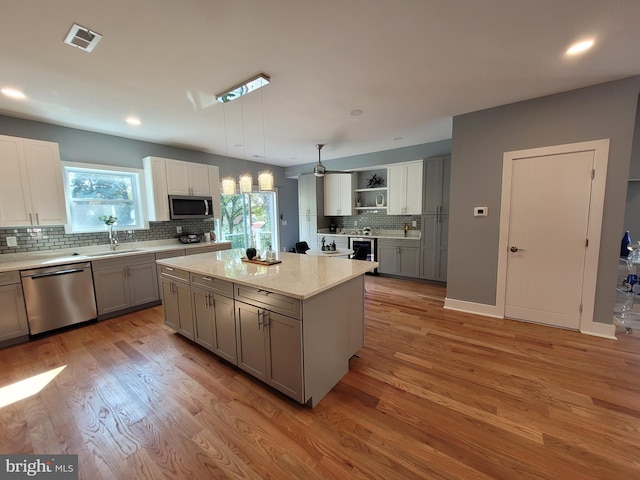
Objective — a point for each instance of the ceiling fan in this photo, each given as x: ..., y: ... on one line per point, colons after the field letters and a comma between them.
x: 320, y: 170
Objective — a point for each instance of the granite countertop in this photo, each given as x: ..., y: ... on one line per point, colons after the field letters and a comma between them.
x: 412, y: 234
x: 299, y: 276
x: 47, y: 258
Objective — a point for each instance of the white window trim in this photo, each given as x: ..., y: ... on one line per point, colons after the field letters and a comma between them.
x: 68, y: 228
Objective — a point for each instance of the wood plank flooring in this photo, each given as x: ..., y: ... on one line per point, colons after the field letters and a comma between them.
x: 434, y: 394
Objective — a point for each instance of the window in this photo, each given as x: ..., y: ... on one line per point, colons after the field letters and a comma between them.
x: 250, y: 220
x: 95, y: 190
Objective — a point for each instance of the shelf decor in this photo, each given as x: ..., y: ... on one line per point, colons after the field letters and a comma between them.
x: 375, y: 181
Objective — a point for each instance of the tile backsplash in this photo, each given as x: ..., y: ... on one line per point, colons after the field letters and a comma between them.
x: 377, y: 221
x: 34, y: 239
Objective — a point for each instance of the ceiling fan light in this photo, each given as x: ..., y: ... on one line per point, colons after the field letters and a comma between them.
x: 229, y: 186
x: 265, y: 181
x: 246, y: 183
x: 319, y: 170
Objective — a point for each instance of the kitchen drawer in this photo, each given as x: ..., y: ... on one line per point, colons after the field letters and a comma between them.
x: 8, y: 278
x: 397, y: 242
x: 174, y: 273
x: 214, y: 284
x: 291, y: 307
x: 124, y: 261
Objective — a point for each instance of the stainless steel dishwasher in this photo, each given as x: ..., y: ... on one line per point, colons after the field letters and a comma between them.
x: 58, y: 296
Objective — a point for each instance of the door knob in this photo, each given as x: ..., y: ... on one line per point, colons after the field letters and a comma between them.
x: 516, y: 249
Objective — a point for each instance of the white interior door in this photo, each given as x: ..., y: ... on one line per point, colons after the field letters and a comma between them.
x: 548, y: 225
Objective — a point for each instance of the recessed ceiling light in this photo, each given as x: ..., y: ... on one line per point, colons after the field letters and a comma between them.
x: 580, y: 47
x: 356, y: 112
x: 134, y: 121
x: 13, y: 93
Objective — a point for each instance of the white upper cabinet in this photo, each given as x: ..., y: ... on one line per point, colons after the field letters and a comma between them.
x: 186, y: 178
x: 437, y: 173
x: 164, y: 177
x: 31, y: 183
x: 155, y: 177
x: 405, y: 188
x: 307, y: 195
x: 214, y: 188
x: 339, y: 195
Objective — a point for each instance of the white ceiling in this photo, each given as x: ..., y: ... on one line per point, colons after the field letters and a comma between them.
x: 410, y: 65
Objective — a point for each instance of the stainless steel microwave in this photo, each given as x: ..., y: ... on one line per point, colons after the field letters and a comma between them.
x: 185, y: 206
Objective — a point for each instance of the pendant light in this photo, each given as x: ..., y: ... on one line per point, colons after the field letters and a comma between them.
x: 245, y: 180
x: 265, y: 177
x: 228, y: 183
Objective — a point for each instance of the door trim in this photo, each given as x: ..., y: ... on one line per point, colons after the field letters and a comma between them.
x: 594, y: 230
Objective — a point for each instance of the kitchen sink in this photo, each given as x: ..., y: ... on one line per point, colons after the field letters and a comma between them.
x: 112, y: 252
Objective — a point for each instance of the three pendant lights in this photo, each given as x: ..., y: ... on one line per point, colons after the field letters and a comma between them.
x: 265, y: 178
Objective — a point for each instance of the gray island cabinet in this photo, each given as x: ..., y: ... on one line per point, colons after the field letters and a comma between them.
x: 294, y: 325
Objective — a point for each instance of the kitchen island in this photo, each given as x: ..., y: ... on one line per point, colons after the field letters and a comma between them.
x: 294, y: 325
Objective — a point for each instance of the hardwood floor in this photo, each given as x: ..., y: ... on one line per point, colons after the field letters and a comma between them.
x: 434, y: 394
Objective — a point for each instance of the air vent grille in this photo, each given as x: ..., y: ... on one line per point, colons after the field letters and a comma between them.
x: 82, y: 38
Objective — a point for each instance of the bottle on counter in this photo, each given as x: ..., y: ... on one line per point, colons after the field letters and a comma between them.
x: 624, y: 245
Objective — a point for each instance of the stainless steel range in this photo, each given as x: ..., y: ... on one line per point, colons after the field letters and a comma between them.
x: 58, y: 296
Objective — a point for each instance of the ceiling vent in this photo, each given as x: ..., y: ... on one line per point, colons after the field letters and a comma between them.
x: 82, y: 38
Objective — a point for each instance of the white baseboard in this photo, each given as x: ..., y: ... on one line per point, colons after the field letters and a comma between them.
x: 471, y: 307
x: 592, y: 328
x: 603, y: 330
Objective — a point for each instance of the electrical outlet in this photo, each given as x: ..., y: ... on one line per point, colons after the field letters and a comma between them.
x: 355, y: 223
x: 178, y: 229
x: 12, y: 241
x: 414, y: 223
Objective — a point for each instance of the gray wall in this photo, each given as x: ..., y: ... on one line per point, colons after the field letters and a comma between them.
x: 479, y: 141
x: 87, y: 147
x: 404, y: 154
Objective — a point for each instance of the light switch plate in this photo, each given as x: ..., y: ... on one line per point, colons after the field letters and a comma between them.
x: 12, y: 241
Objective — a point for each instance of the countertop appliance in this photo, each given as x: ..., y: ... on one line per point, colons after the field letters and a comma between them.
x: 186, y: 206
x: 189, y: 238
x: 364, y: 248
x: 58, y: 296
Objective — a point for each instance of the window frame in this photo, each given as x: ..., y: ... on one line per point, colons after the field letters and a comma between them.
x: 139, y: 202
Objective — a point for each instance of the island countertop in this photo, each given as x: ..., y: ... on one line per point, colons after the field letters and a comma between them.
x: 298, y: 275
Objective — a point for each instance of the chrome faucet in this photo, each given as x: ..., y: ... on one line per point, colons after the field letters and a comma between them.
x: 113, y: 239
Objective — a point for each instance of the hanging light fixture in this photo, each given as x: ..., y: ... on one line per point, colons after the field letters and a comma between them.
x: 265, y: 177
x: 228, y: 183
x: 245, y: 180
x: 319, y: 170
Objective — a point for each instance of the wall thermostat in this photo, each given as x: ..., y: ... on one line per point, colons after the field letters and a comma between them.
x: 480, y: 211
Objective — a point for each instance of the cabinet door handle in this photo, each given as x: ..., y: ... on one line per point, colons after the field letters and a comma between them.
x: 265, y: 318
x: 169, y: 269
x: 260, y: 313
x: 37, y: 219
x: 30, y: 219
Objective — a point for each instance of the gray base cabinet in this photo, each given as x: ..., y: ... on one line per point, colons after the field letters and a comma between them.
x: 13, y: 315
x: 176, y: 300
x: 399, y: 257
x: 214, y: 316
x: 270, y: 348
x: 435, y: 231
x: 125, y: 282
